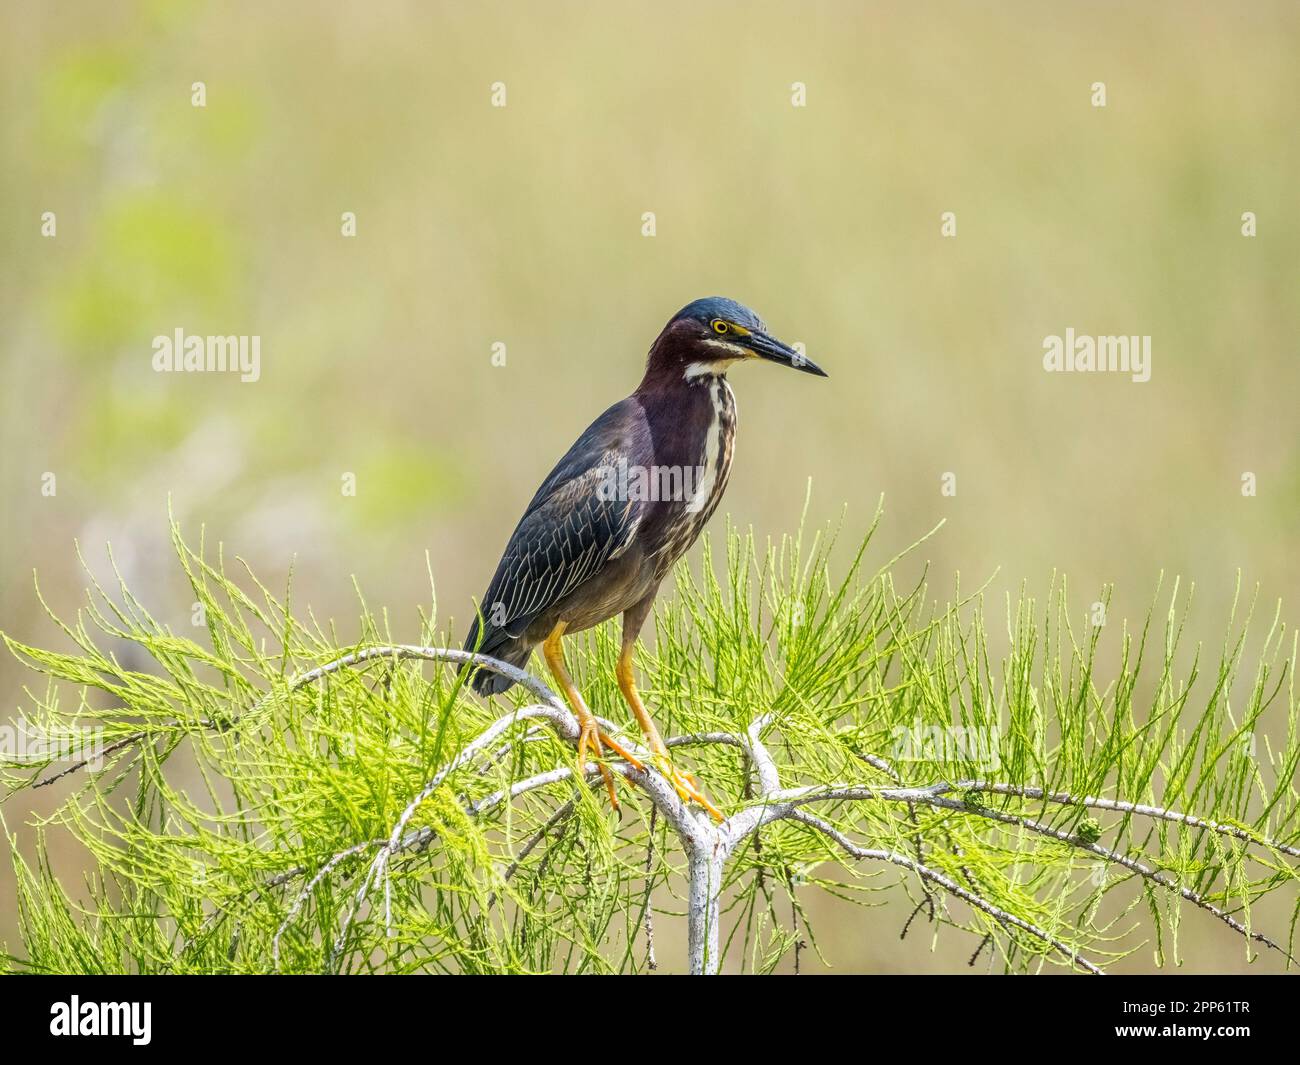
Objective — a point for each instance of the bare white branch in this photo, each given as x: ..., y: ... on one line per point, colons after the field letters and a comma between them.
x: 778, y: 805
x: 950, y: 886
x: 769, y: 780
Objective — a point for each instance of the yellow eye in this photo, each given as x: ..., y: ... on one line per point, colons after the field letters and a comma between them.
x: 719, y: 326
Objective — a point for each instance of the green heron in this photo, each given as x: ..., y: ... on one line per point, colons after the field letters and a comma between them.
x: 619, y: 509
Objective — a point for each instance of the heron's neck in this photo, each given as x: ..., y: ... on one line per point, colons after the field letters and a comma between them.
x: 696, y: 371
x: 670, y: 366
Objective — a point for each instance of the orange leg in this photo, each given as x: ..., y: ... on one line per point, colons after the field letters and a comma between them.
x: 589, y: 734
x: 685, y: 784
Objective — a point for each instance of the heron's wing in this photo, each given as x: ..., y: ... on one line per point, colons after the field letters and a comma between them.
x: 575, y: 524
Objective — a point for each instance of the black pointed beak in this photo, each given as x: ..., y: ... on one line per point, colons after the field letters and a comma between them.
x: 766, y: 347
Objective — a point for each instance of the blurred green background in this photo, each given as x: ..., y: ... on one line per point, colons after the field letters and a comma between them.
x: 522, y: 225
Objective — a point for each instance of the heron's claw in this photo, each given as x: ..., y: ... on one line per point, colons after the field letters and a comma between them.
x: 686, y: 786
x: 591, y: 738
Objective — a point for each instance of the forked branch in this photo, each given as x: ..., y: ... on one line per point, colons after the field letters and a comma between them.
x: 708, y: 847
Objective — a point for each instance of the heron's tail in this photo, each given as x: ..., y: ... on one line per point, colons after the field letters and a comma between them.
x: 500, y: 645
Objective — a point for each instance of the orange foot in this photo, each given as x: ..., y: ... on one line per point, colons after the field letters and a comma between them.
x: 590, y: 738
x: 686, y: 786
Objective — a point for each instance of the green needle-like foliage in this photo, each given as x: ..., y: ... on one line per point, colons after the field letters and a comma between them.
x: 235, y: 814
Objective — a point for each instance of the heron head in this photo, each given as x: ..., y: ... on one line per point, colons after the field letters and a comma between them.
x: 711, y: 334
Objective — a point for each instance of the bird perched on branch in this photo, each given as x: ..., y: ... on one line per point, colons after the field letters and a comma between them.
x: 619, y: 509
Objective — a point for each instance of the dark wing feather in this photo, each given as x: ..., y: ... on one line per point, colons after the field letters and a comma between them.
x: 561, y: 543
x: 569, y: 531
